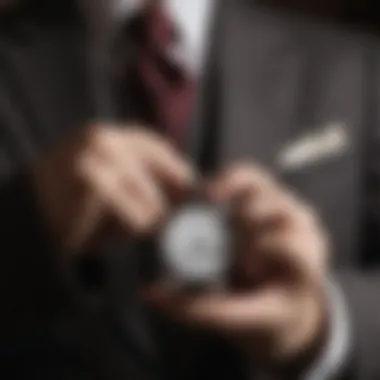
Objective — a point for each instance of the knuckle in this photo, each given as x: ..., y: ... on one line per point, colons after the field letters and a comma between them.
x: 97, y: 136
x: 83, y: 166
x: 248, y: 167
x: 158, y: 210
x: 135, y: 134
x: 145, y: 224
x: 148, y: 218
x: 242, y: 164
x: 160, y: 143
x: 143, y: 134
x: 155, y: 204
x: 137, y: 226
x: 135, y: 218
x: 256, y: 174
x: 300, y: 206
x: 241, y: 169
x: 103, y: 136
x: 308, y: 212
x: 141, y: 226
x: 155, y: 213
x: 152, y: 143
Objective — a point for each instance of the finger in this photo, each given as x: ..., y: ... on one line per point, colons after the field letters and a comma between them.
x: 267, y: 210
x: 112, y: 189
x: 137, y: 179
x: 277, y: 208
x: 143, y: 187
x: 239, y: 180
x: 282, y: 236
x: 147, y: 149
x: 299, y: 255
x: 229, y: 313
x: 169, y: 166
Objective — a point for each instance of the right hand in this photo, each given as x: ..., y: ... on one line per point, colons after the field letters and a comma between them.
x: 126, y: 174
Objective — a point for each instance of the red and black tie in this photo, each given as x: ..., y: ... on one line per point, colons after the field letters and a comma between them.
x: 168, y: 87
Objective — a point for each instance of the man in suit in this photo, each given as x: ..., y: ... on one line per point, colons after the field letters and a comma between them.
x: 82, y: 171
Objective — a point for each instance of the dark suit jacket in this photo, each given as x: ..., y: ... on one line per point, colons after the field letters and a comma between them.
x: 271, y: 78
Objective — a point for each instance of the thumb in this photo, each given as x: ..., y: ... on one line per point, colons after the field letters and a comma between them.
x: 263, y: 310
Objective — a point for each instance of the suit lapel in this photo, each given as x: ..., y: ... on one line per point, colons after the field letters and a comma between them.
x: 47, y: 77
x: 262, y: 75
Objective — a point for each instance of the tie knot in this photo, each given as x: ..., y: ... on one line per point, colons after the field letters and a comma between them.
x: 154, y: 27
x: 159, y: 75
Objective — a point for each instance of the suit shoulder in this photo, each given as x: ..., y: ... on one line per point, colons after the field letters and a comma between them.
x: 316, y: 30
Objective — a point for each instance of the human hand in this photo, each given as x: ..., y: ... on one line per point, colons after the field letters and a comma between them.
x: 126, y: 174
x: 275, y: 309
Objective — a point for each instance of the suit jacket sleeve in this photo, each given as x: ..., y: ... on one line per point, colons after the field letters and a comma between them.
x: 362, y: 295
x: 29, y: 282
x: 361, y: 283
x: 27, y: 273
x: 361, y: 286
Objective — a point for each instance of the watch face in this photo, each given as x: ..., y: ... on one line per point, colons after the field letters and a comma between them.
x: 195, y: 244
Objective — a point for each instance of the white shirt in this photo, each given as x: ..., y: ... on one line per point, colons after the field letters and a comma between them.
x: 194, y: 19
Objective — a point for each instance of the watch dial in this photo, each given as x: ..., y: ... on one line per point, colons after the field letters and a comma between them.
x: 195, y: 244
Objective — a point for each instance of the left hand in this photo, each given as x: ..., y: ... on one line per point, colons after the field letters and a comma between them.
x: 281, y: 271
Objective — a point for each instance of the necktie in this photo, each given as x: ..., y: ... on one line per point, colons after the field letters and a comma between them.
x: 166, y: 85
